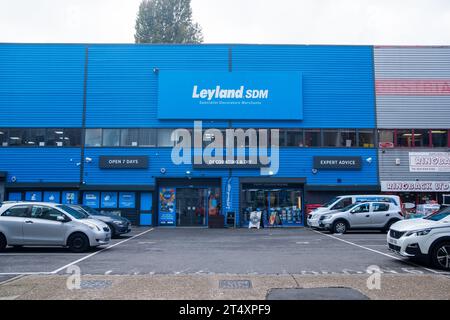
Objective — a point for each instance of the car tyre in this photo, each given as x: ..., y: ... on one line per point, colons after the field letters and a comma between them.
x: 78, y: 242
x: 3, y: 242
x: 440, y: 256
x: 388, y: 226
x: 339, y: 227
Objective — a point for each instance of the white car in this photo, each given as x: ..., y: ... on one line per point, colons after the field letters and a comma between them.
x: 49, y: 224
x: 427, y: 237
x: 364, y: 215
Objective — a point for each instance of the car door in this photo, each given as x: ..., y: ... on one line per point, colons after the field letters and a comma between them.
x: 381, y: 214
x: 12, y: 221
x: 42, y: 228
x: 359, y: 216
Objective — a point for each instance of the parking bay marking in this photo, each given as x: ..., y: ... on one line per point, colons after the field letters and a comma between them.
x: 74, y: 262
x: 104, y: 249
x: 379, y: 252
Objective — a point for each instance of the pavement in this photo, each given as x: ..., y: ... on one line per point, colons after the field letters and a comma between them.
x: 191, y: 263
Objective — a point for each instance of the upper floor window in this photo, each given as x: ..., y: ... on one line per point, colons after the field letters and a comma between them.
x: 366, y: 138
x: 111, y: 137
x: 312, y: 138
x: 439, y: 138
x: 93, y: 138
x: 40, y: 137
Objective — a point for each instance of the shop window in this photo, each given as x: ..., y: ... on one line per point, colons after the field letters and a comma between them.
x: 164, y: 138
x: 294, y: 138
x: 16, y: 137
x: 366, y: 138
x: 72, y: 137
x: 386, y: 138
x: 111, y: 137
x: 439, y: 138
x: 129, y: 137
x: 147, y: 137
x: 347, y: 138
x: 404, y: 138
x: 3, y: 137
x: 93, y: 138
x: 331, y: 138
x: 55, y: 137
x: 312, y: 138
x: 421, y: 138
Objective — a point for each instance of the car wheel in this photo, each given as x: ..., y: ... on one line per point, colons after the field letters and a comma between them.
x: 339, y: 227
x: 441, y: 256
x: 3, y: 242
x: 388, y: 226
x: 113, y: 231
x: 78, y: 242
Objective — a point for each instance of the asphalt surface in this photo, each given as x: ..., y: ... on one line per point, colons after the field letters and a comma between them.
x: 221, y: 264
x: 218, y: 251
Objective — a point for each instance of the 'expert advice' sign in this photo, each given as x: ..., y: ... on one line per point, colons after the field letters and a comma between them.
x: 230, y: 95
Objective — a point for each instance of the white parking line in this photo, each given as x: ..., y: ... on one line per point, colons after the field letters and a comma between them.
x: 379, y: 252
x: 104, y: 249
x: 74, y: 262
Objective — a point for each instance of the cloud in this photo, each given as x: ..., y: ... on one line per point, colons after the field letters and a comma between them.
x: 415, y: 22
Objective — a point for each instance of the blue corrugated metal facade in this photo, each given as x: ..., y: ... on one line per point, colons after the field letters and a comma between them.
x: 44, y: 86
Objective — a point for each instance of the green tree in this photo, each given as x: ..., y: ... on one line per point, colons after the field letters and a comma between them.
x: 166, y: 21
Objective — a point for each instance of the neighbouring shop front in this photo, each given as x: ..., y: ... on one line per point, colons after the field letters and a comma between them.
x: 280, y: 204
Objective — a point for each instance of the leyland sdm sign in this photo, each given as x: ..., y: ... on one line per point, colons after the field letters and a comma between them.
x: 230, y: 95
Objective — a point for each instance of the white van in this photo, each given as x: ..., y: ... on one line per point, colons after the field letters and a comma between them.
x: 341, y: 202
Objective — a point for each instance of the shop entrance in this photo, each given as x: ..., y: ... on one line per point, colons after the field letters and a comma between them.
x: 279, y: 205
x: 191, y: 207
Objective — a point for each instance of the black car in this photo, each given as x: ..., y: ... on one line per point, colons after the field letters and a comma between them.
x: 118, y: 225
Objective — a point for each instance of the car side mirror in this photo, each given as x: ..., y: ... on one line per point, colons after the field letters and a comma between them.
x: 61, y: 219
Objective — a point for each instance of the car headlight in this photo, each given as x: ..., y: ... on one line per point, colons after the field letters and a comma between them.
x: 325, y: 217
x: 93, y: 227
x: 419, y: 233
x: 118, y: 222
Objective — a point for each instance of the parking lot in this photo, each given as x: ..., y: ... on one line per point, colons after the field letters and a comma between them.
x: 148, y: 251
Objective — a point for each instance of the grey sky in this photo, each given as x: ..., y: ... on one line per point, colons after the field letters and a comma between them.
x: 413, y: 22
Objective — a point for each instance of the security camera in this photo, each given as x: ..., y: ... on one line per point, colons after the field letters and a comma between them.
x: 163, y: 170
x: 155, y: 70
x: 13, y: 179
x: 369, y: 160
x: 88, y: 160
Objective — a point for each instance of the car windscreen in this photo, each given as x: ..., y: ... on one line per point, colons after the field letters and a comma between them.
x: 329, y: 203
x: 92, y: 211
x: 349, y: 206
x: 73, y: 212
x: 437, y: 216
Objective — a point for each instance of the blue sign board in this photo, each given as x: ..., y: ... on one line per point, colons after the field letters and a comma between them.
x: 52, y: 196
x: 33, y: 196
x: 127, y: 200
x: 109, y: 199
x: 146, y: 201
x: 230, y: 95
x: 15, y: 196
x: 91, y: 199
x: 167, y: 211
x: 70, y: 197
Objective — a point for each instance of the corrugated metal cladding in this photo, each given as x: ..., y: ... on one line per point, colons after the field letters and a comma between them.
x: 294, y: 162
x: 389, y: 171
x: 123, y: 88
x: 41, y: 165
x: 338, y: 82
x: 412, y: 87
x: 41, y: 85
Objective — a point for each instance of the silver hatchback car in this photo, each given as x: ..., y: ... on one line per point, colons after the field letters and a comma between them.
x: 365, y: 215
x: 49, y: 224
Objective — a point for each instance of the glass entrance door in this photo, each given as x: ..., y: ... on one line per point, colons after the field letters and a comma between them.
x: 191, y: 207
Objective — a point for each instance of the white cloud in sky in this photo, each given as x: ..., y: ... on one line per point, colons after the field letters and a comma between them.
x: 409, y: 22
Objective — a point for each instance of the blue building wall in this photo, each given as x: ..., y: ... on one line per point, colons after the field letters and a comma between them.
x: 41, y: 165
x: 338, y: 82
x: 123, y: 88
x: 41, y: 85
